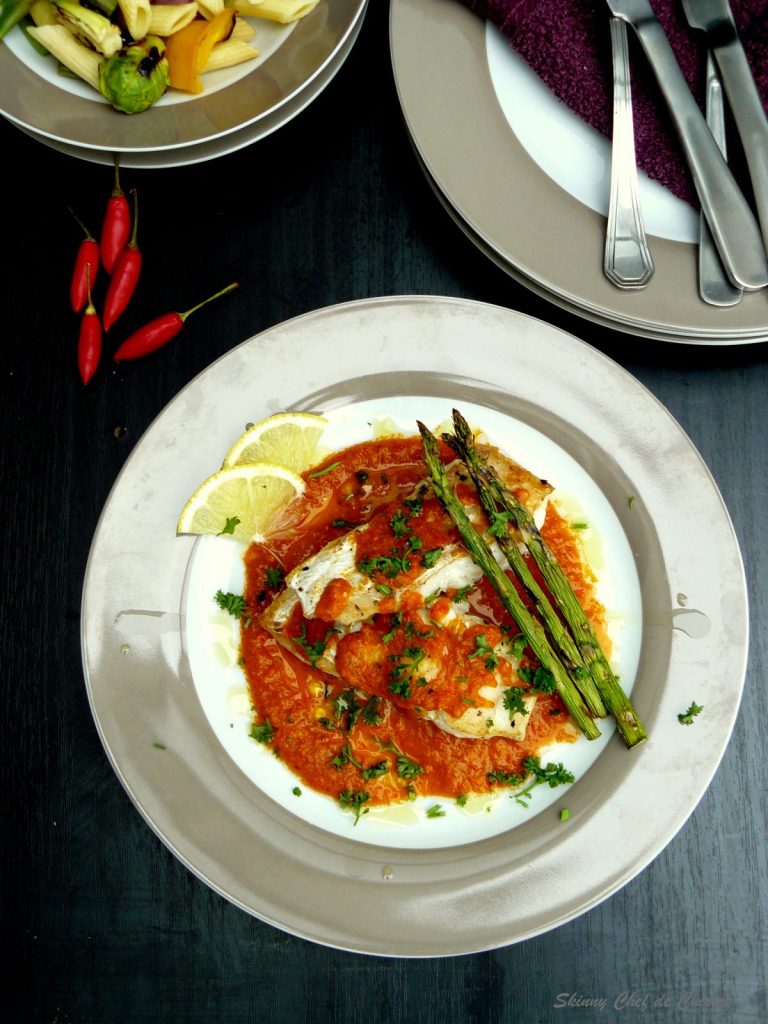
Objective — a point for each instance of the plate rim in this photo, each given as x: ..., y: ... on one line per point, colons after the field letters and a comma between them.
x: 539, y: 230
x: 208, y: 117
x: 442, y: 316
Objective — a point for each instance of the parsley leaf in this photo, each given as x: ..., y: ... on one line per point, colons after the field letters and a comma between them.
x: 263, y: 732
x: 370, y: 712
x: 235, y: 604
x: 375, y: 771
x: 514, y: 702
x: 429, y: 558
x: 408, y: 769
x: 312, y: 651
x: 229, y: 526
x: 399, y: 524
x: 543, y: 680
x: 435, y: 811
x: 388, y: 565
x: 353, y: 800
x: 323, y: 471
x: 499, y: 520
x: 484, y: 650
x: 690, y: 714
x: 344, y: 757
x: 274, y: 577
x: 552, y: 774
x: 461, y: 594
x: 402, y: 672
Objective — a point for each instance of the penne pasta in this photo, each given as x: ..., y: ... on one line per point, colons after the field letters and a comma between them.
x: 165, y: 19
x: 43, y: 13
x: 229, y: 53
x: 208, y: 8
x: 282, y: 11
x: 60, y: 42
x: 137, y: 14
x: 243, y: 30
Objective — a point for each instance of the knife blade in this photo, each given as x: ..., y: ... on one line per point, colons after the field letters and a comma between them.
x: 731, y: 221
x: 715, y: 18
x: 714, y: 286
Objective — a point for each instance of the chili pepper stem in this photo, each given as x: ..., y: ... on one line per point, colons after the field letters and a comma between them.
x: 135, y: 195
x: 117, y: 190
x: 89, y: 237
x: 229, y: 288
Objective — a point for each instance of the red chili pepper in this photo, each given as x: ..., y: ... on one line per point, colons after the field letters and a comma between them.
x: 159, y: 332
x: 125, y: 275
x: 116, y: 228
x: 89, y: 342
x: 86, y: 263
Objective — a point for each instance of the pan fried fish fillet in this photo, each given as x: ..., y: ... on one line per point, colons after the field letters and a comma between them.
x: 392, y: 566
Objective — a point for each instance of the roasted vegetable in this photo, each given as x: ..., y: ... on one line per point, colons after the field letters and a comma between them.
x: 91, y: 27
x: 11, y: 12
x: 135, y: 77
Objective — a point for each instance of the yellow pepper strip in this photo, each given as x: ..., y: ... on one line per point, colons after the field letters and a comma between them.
x: 188, y: 49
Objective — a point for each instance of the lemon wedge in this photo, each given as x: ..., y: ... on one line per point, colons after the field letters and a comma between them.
x: 241, y: 501
x: 289, y: 439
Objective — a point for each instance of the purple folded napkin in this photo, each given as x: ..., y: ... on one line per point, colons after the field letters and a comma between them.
x: 567, y: 43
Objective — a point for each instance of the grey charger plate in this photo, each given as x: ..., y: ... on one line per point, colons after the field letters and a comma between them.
x: 34, y: 103
x: 517, y: 215
x: 445, y: 901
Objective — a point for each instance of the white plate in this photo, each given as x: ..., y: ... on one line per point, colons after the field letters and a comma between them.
x: 67, y: 113
x: 460, y: 898
x: 211, y: 640
x: 528, y: 217
x: 222, y: 145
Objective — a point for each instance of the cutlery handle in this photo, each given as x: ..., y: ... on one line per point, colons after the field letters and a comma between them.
x: 749, y: 115
x: 714, y: 286
x: 627, y: 262
x: 730, y: 219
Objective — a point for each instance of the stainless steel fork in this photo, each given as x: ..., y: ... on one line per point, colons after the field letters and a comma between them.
x: 627, y: 261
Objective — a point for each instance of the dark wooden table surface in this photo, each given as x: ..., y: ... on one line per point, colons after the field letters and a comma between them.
x: 100, y: 923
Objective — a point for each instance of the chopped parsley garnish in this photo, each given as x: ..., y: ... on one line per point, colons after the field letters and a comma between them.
x: 159, y: 746
x: 345, y: 757
x: 397, y: 621
x: 384, y: 589
x: 296, y: 791
x: 262, y: 732
x: 346, y: 703
x: 370, y: 712
x: 461, y: 800
x: 323, y: 471
x: 543, y: 680
x: 564, y: 814
x: 499, y: 520
x: 415, y: 543
x: 690, y: 714
x: 312, y: 651
x: 631, y: 500
x: 235, y: 604
x: 551, y: 774
x: 388, y: 565
x: 514, y: 702
x: 402, y: 672
x: 579, y: 526
x: 519, y: 643
x: 274, y: 577
x: 399, y: 524
x: 468, y: 700
x: 229, y: 526
x: 410, y: 792
x: 435, y: 811
x: 414, y: 506
x: 502, y: 778
x: 484, y: 650
x: 375, y: 771
x: 343, y: 524
x: 429, y: 558
x: 353, y: 800
x: 461, y: 594
x: 408, y: 769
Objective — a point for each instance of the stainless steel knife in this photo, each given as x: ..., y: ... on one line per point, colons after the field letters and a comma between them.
x: 733, y: 225
x: 716, y: 19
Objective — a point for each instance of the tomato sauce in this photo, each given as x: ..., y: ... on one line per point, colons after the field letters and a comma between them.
x: 365, y: 739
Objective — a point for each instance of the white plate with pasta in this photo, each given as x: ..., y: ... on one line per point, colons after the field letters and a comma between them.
x: 153, y: 77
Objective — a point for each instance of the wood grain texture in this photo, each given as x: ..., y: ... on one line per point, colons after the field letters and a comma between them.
x: 100, y: 923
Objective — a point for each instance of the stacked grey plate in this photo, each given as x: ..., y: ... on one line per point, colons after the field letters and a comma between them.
x: 515, y: 212
x: 238, y: 107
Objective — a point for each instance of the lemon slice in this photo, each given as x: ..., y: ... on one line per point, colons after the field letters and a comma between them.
x: 241, y: 501
x: 289, y: 439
